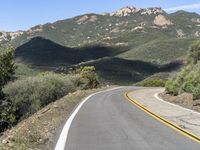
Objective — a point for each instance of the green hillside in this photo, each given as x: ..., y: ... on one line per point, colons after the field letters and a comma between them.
x: 42, y: 52
x: 149, y: 35
x: 122, y: 71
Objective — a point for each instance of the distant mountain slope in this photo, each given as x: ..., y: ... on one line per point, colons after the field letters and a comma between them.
x: 159, y: 50
x: 142, y: 30
x: 130, y: 34
x: 42, y: 52
x: 122, y: 71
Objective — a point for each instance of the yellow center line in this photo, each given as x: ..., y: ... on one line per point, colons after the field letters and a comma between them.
x: 163, y: 120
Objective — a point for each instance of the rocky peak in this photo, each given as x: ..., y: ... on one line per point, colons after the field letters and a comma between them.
x: 129, y: 10
x: 126, y: 11
x: 150, y: 11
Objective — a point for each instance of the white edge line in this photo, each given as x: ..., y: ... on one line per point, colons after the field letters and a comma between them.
x: 63, y: 136
x: 160, y: 99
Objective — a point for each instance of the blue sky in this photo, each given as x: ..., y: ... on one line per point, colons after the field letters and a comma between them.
x: 23, y: 14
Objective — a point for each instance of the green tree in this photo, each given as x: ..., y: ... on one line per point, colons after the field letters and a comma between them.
x: 194, y: 53
x: 7, y: 66
x: 88, y: 73
x: 7, y: 69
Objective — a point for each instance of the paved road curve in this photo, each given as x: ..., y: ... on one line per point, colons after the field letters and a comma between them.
x: 107, y: 121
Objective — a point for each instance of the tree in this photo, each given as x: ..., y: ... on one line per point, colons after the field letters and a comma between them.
x: 194, y: 53
x: 7, y: 66
x: 7, y: 69
x: 88, y: 73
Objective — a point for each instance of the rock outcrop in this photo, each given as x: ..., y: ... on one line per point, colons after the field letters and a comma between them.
x: 7, y: 36
x: 126, y: 11
x: 196, y: 20
x: 161, y: 20
x: 130, y: 10
x: 86, y: 19
x: 150, y: 11
x: 180, y: 33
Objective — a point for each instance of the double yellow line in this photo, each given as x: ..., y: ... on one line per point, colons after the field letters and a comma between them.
x: 163, y: 120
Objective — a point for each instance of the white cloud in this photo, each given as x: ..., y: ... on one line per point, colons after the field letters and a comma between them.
x: 184, y: 7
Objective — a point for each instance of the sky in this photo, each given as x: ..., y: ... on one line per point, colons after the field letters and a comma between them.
x: 23, y: 14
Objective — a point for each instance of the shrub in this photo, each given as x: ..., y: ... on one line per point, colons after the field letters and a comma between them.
x: 192, y: 81
x: 196, y: 92
x: 152, y: 83
x: 88, y: 75
x: 188, y: 79
x: 172, y: 87
x: 194, y: 53
x: 28, y: 95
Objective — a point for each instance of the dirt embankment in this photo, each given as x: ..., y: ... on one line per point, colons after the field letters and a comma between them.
x: 185, y: 100
x: 38, y: 132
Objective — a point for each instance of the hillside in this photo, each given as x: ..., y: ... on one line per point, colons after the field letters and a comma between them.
x: 43, y: 52
x: 129, y: 34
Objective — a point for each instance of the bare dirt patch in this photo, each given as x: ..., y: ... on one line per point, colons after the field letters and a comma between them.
x: 185, y: 100
x: 39, y: 130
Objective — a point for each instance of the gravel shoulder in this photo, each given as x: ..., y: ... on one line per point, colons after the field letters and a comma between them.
x: 185, y: 118
x: 40, y: 130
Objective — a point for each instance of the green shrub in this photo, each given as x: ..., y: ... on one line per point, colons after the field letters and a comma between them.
x: 88, y: 75
x: 194, y: 53
x: 196, y: 92
x: 30, y: 94
x: 188, y: 80
x: 24, y: 70
x: 27, y: 95
x: 152, y: 83
x: 172, y: 87
x: 192, y: 81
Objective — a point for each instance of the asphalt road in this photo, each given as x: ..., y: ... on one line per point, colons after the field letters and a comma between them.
x: 108, y: 121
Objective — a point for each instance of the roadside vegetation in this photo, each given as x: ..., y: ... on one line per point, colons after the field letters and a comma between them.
x: 24, y: 70
x: 187, y: 81
x: 21, y: 97
x: 156, y: 80
x: 40, y: 130
x: 152, y: 83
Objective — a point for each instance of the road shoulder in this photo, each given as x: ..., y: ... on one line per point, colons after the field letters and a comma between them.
x: 184, y: 118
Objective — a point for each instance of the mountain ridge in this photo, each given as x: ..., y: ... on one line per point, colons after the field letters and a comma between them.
x: 122, y: 12
x: 154, y: 37
x: 130, y: 31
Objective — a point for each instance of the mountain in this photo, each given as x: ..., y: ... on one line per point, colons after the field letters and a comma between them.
x: 145, y: 31
x: 130, y: 34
